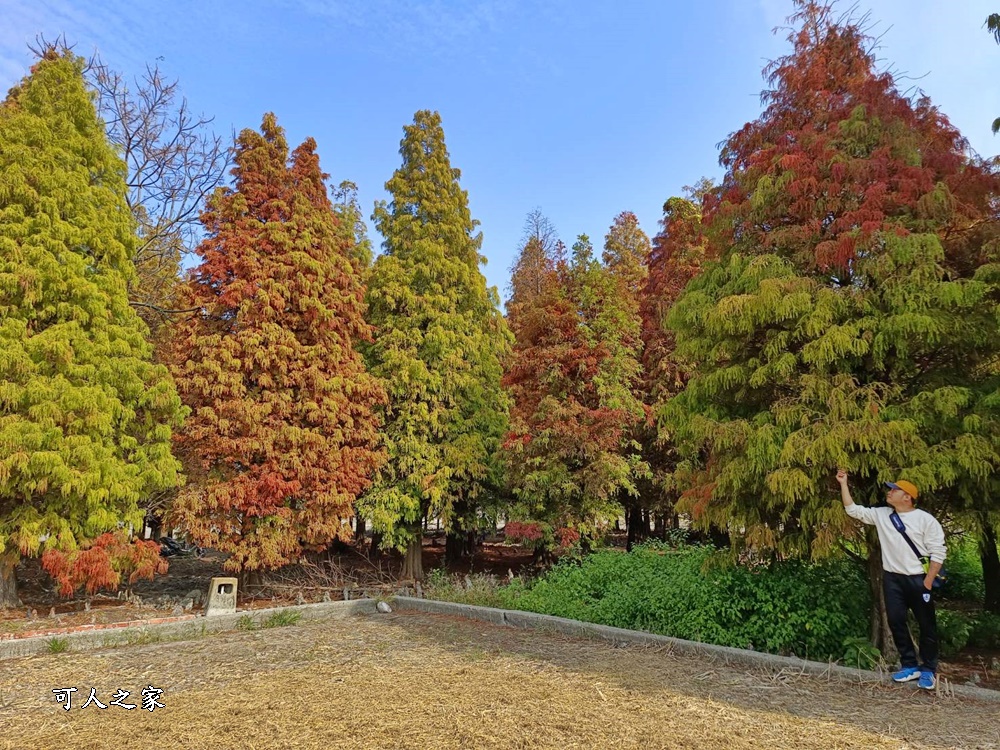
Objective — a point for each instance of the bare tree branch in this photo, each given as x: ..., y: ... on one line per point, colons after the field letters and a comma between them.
x: 174, y: 162
x: 164, y: 311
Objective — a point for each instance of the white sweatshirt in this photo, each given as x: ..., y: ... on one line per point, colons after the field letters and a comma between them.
x: 921, y: 527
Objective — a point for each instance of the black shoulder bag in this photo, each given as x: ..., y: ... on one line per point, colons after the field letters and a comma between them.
x: 897, y: 522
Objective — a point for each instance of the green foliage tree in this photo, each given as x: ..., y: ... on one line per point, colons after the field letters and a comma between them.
x: 85, y: 416
x: 284, y: 432
x: 850, y: 319
x: 626, y: 257
x: 351, y: 224
x: 438, y: 346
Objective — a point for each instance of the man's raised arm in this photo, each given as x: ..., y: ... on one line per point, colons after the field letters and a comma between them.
x: 865, y: 515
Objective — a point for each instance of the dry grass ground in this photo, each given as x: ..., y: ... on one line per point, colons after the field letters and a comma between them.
x: 422, y: 681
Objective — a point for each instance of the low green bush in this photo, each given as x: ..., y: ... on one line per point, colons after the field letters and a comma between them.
x: 985, y: 632
x: 282, y: 618
x: 58, y: 645
x: 860, y: 653
x: 965, y: 571
x: 788, y: 608
x: 954, y: 629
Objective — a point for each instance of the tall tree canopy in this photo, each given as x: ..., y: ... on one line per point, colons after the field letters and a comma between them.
x: 85, y: 416
x: 673, y: 258
x: 439, y: 342
x: 283, y: 435
x: 849, y: 320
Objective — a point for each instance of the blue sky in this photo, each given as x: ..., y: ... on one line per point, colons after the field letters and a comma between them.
x: 582, y: 109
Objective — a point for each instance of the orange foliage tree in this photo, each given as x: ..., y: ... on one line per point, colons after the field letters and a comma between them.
x: 283, y: 436
x: 103, y: 563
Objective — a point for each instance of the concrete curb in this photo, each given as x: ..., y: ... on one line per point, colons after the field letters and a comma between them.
x: 176, y: 629
x: 49, y: 632
x: 725, y: 654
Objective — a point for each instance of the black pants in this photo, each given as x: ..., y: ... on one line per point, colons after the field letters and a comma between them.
x: 904, y: 593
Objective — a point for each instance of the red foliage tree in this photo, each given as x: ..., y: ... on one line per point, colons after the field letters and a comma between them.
x: 567, y: 452
x: 283, y: 433
x: 676, y: 255
x: 840, y: 155
x: 103, y: 564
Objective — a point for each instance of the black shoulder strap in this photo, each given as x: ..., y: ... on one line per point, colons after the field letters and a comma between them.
x: 897, y: 522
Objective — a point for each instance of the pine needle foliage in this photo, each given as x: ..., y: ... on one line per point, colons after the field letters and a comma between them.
x: 283, y: 435
x: 850, y: 317
x: 85, y: 415
x: 438, y: 346
x: 573, y: 376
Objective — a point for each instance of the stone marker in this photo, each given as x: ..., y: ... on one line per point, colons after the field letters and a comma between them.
x: 221, y: 597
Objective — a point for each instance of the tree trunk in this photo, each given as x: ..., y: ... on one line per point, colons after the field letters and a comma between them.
x: 660, y: 527
x: 8, y: 581
x: 155, y: 524
x: 376, y: 546
x: 460, y: 537
x: 338, y: 547
x: 359, y: 529
x: 636, y: 531
x: 719, y: 537
x: 878, y: 626
x: 250, y: 581
x: 413, y: 563
x: 454, y: 547
x: 991, y: 564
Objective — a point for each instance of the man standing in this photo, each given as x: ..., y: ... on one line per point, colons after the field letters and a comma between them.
x: 905, y: 582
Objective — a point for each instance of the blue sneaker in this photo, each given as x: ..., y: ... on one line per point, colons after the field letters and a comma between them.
x: 906, y: 674
x: 927, y: 681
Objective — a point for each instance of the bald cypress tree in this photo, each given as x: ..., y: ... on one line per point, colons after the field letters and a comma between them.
x: 573, y: 377
x: 283, y: 437
x: 626, y: 253
x: 676, y: 255
x: 85, y: 416
x: 438, y: 346
x: 849, y: 321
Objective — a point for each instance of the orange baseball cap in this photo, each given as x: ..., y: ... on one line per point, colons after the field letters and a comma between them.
x: 908, y: 487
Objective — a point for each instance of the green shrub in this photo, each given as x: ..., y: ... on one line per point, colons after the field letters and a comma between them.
x: 954, y: 629
x: 860, y: 653
x: 965, y: 571
x: 787, y: 608
x: 246, y: 623
x: 985, y: 632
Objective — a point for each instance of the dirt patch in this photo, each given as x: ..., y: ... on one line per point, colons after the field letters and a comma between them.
x: 350, y: 571
x: 422, y: 681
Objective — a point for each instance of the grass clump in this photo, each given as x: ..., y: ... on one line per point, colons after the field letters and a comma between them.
x: 58, y: 645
